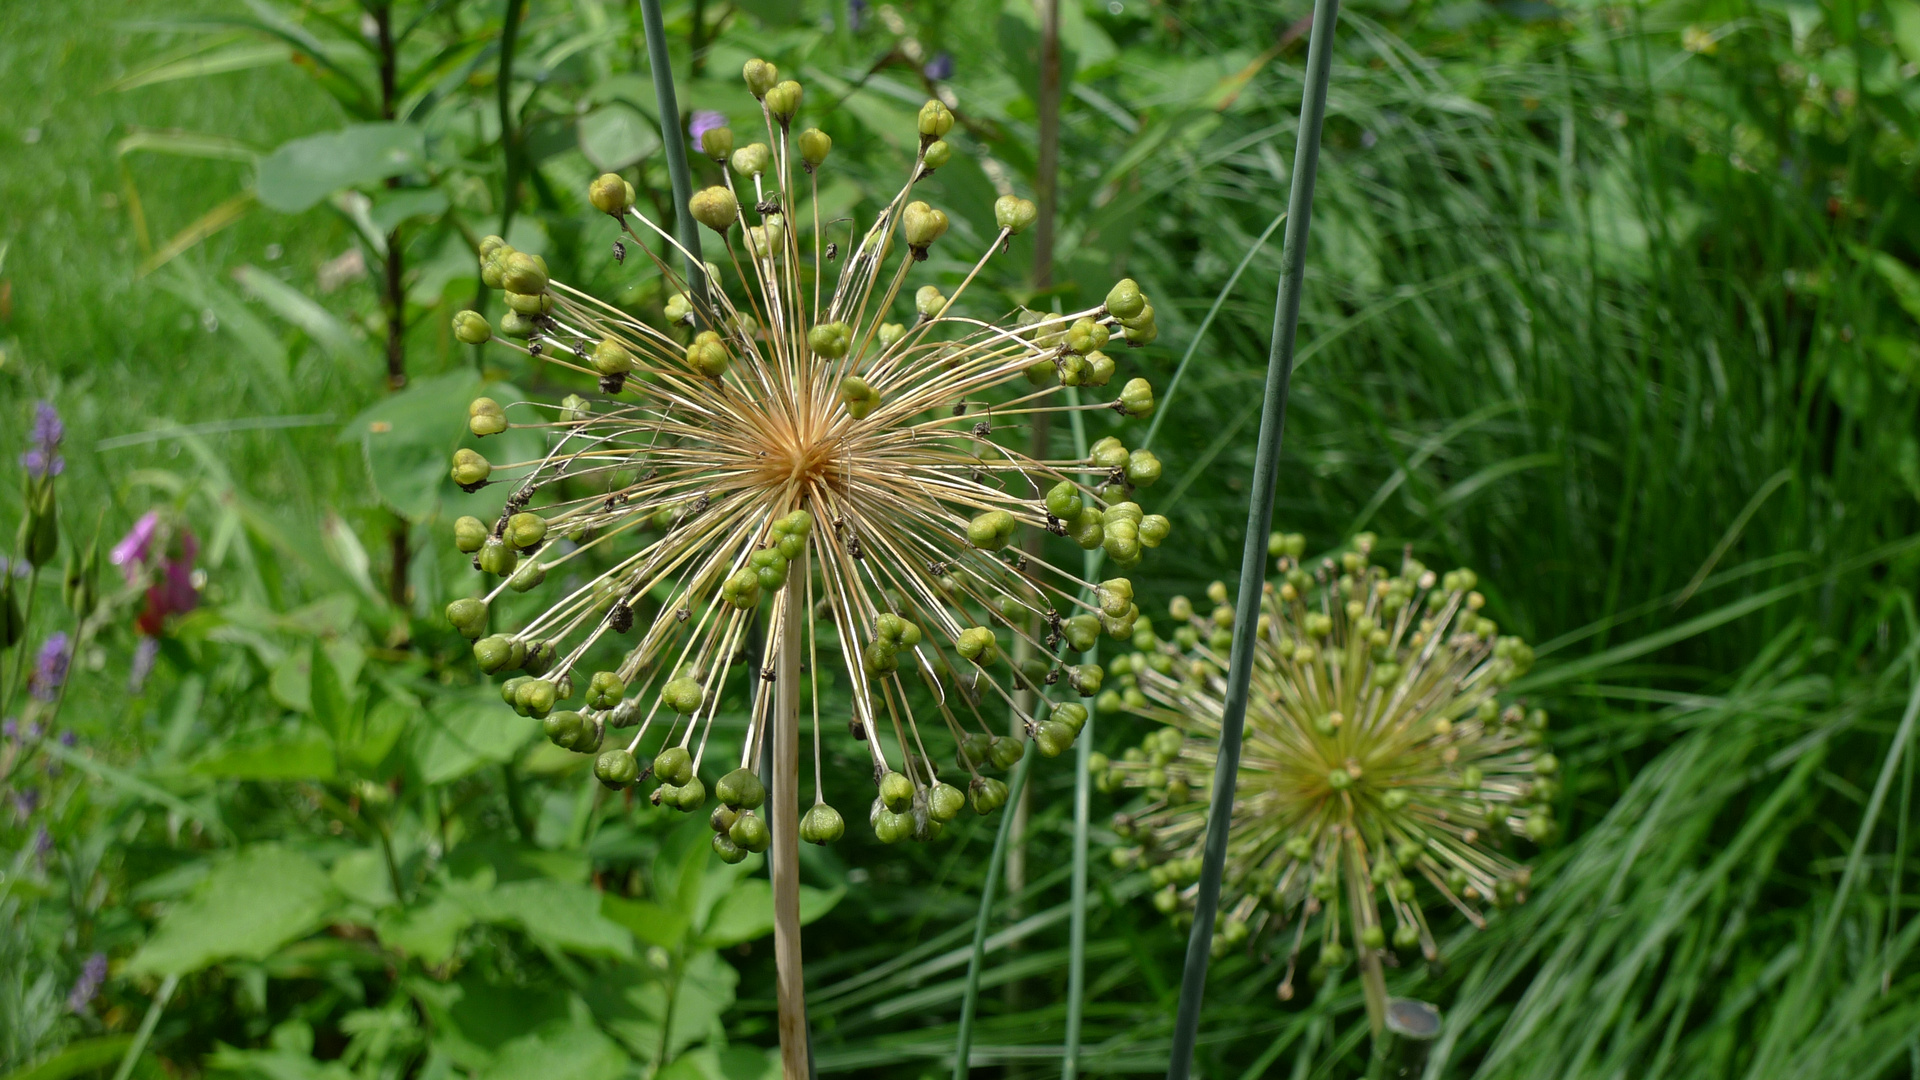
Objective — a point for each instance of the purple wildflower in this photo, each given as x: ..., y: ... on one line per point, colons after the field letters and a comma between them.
x: 18, y: 567
x: 856, y: 14
x: 25, y: 802
x: 144, y: 654
x: 34, y: 731
x: 69, y: 739
x: 705, y: 120
x: 92, y: 974
x: 11, y: 729
x: 940, y: 67
x: 133, y: 550
x: 42, y: 457
x: 42, y: 843
x: 50, y: 667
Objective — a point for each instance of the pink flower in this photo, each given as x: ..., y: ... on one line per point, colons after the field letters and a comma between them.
x: 131, y: 553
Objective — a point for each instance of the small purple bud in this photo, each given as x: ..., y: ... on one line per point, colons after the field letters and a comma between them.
x: 50, y: 668
x: 69, y: 739
x: 856, y: 13
x: 25, y: 802
x: 940, y: 67
x: 42, y: 457
x: 131, y: 553
x: 705, y: 120
x: 92, y: 974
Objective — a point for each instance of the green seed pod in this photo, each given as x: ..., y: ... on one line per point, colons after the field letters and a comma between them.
x: 724, y: 847
x: 684, y: 696
x: 1082, y: 632
x: 1006, y: 752
x: 741, y: 589
x: 1063, y: 500
x: 537, y: 696
x: 1042, y: 372
x: 891, y: 333
x: 928, y: 300
x: 822, y: 825
x: 707, y: 354
x: 1053, y: 738
x: 515, y: 325
x: 935, y: 120
x: 469, y: 533
x: 574, y: 409
x: 612, y: 358
x: 605, y: 690
x: 741, y: 790
x: 674, y: 765
x: 892, y: 828
x: 815, y: 145
x: 750, y: 832
x: 978, y: 645
x: 679, y: 308
x: 717, y: 143
x: 525, y: 274
x: 1109, y: 453
x: 497, y: 557
x: 760, y: 76
x: 610, y: 194
x: 469, y: 616
x: 1153, y: 529
x: 859, y: 397
x: 1074, y: 715
x: 1143, y: 469
x: 1115, y: 596
x: 562, y: 728
x: 1086, y: 336
x: 1085, y: 679
x: 493, y: 267
x: 1099, y: 368
x: 937, y: 153
x: 472, y: 328
x: 1109, y: 701
x: 470, y: 470
x: 1014, y: 214
x: 972, y: 752
x: 752, y: 159
x: 1073, y: 370
x: 486, y: 417
x: 525, y: 530
x: 769, y: 568
x: 922, y: 225
x: 489, y: 245
x: 529, y: 304
x: 616, y: 769
x: 1125, y: 301
x: 492, y: 654
x: 987, y: 795
x: 716, y: 208
x: 896, y: 792
x: 1406, y: 935
x: 1136, y: 398
x: 1087, y: 530
x: 783, y: 101
x: 831, y: 340
x: 944, y: 802
x: 992, y: 530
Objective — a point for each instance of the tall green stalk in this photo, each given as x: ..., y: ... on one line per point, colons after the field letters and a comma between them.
x: 674, y: 140
x: 1266, y: 467
x: 963, y: 1043
x: 1082, y: 815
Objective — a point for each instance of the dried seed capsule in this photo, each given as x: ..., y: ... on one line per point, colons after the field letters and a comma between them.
x: 472, y: 328
x: 1014, y: 214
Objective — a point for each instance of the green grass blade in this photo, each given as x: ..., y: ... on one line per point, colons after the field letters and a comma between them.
x: 996, y: 862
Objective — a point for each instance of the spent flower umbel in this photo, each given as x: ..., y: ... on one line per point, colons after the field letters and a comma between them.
x: 1376, y: 754
x: 812, y: 454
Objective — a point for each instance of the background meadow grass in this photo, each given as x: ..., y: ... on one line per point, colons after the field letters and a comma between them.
x: 1627, y: 326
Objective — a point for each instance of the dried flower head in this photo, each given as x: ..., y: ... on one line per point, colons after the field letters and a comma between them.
x: 1376, y: 753
x: 806, y: 451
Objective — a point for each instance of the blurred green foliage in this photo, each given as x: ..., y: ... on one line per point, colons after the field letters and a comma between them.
x: 1616, y: 303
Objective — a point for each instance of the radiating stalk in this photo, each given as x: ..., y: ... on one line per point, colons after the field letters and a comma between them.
x: 675, y: 141
x: 1082, y: 812
x: 784, y: 797
x: 1266, y: 467
x: 963, y: 1043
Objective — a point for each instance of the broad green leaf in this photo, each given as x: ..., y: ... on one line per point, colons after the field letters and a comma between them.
x: 746, y: 911
x: 390, y: 208
x: 616, y: 136
x: 631, y: 1002
x: 575, y: 1050
x: 77, y: 1058
x: 1906, y: 28
x: 561, y: 914
x: 428, y: 933
x: 297, y: 175
x: 732, y: 1063
x: 249, y: 906
x: 650, y: 922
x: 459, y: 735
x: 304, y: 753
x: 332, y: 703
x: 363, y: 876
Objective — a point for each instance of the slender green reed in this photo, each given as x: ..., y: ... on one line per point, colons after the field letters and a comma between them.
x: 996, y: 861
x: 674, y: 139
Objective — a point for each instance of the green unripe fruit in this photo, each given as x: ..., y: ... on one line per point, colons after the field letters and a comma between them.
x: 973, y: 751
x: 472, y: 328
x: 944, y: 802
x: 612, y: 358
x: 1109, y: 701
x: 891, y: 333
x: 831, y: 340
x: 992, y: 530
x: 1087, y: 530
x: 1141, y: 336
x: 760, y: 76
x: 1115, y: 596
x: 1540, y: 826
x: 489, y: 245
x: 1153, y: 530
x: 530, y: 304
x: 977, y: 644
x: 1073, y: 714
x: 716, y: 208
x: 1082, y: 632
x: 536, y: 697
x: 783, y: 101
x: 1005, y: 752
x: 1124, y: 300
x: 928, y: 300
x: 470, y: 470
x: 935, y: 120
x: 707, y: 354
x: 892, y: 828
x: 987, y: 795
x: 605, y: 690
x: 1546, y: 765
x: 1406, y: 936
x: 728, y: 851
x: 674, y: 765
x: 469, y: 616
x: 1143, y: 469
x: 815, y: 145
x: 1014, y: 214
x: 717, y: 143
x: 689, y: 796
x: 922, y: 225
x: 1122, y: 547
x: 515, y: 325
x: 1137, y: 397
x: 1042, y: 372
x: 525, y: 274
x: 679, y: 308
x: 937, y: 153
x: 769, y: 568
x: 493, y: 268
x: 750, y: 832
x: 469, y: 533
x: 527, y: 576
x: 1063, y: 501
x: 1053, y: 738
x: 493, y: 653
x: 486, y: 417
x: 1086, y: 337
x: 822, y: 825
x: 524, y: 530
x: 741, y: 790
x: 1339, y: 779
x: 497, y: 557
x: 562, y: 728
x: 1085, y: 679
x: 1109, y: 453
x: 741, y: 589
x: 1373, y: 937
x: 616, y: 769
x: 684, y: 696
x: 752, y: 159
x: 610, y: 194
x: 798, y: 523
x: 896, y: 792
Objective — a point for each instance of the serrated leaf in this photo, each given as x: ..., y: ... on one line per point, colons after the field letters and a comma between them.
x: 299, y: 174
x: 249, y: 906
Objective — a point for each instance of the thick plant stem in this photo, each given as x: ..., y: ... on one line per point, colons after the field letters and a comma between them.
x: 784, y: 806
x: 674, y: 139
x: 1266, y: 467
